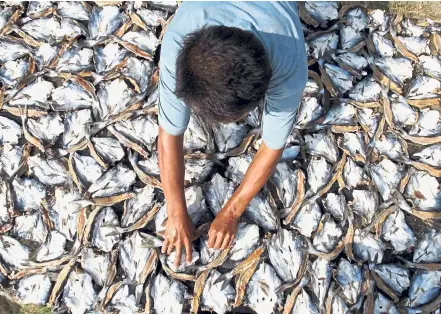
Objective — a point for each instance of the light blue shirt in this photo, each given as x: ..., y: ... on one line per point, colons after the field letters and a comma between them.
x: 277, y: 25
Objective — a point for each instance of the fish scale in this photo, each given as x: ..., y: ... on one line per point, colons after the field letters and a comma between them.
x: 82, y: 213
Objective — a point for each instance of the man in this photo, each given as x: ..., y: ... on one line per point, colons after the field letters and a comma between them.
x: 221, y: 60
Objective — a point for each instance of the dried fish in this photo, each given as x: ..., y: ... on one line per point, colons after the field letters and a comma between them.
x: 322, y: 144
x: 105, y: 230
x: 13, y: 253
x: 79, y: 293
x: 116, y: 180
x: 395, y: 277
x: 367, y: 248
x: 104, y: 21
x: 397, y: 232
x: 341, y: 114
x: 34, y: 289
x: 350, y: 279
x: 430, y: 155
x: 365, y: 204
x: 48, y: 171
x: 424, y: 287
x: 423, y: 190
x: 309, y: 111
x: 428, y: 248
x: 30, y: 227
x: 307, y: 219
x: 53, y: 247
x: 322, y: 11
x: 367, y: 90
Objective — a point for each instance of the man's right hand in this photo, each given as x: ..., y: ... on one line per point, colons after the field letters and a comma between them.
x: 179, y: 233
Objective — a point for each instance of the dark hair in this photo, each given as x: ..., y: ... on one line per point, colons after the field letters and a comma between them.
x: 222, y: 73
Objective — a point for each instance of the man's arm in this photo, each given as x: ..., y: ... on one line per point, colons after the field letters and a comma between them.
x: 179, y: 228
x: 224, y: 227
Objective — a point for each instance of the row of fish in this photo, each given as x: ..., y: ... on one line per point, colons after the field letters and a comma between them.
x: 348, y: 222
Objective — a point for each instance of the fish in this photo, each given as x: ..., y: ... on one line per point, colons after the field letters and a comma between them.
x: 48, y: 171
x: 50, y: 29
x: 309, y: 111
x: 384, y: 305
x: 328, y: 235
x: 261, y: 212
x: 108, y: 148
x: 260, y: 292
x: 319, y: 173
x: 230, y: 135
x: 79, y: 294
x: 336, y: 205
x: 73, y: 10
x: 87, y: 169
x: 391, y: 146
x: 12, y: 49
x: 124, y: 301
x: 45, y: 54
x: 350, y: 36
x: 341, y: 114
x: 168, y: 295
x: 47, y: 128
x: 394, y: 276
x: 75, y: 60
x: 322, y: 144
x: 428, y: 123
x: 369, y: 120
x: 285, y: 181
x: 355, y: 145
x: 364, y: 204
x: 423, y: 87
x: 351, y: 62
x: 147, y: 42
x: 74, y: 127
x: 386, y: 175
x: 427, y: 250
x: 138, y: 207
x: 11, y: 159
x: 142, y: 131
x: 307, y: 219
x: 196, y: 170
x: 215, y: 297
x: 237, y: 167
x: 96, y: 265
x: 323, y: 11
x: 403, y: 114
x: 338, y: 306
x: 14, y: 254
x: 430, y: 155
x: 30, y: 227
x: 196, y: 135
x: 409, y: 28
x: 367, y: 248
x: 71, y: 96
x: 422, y: 188
x: 138, y: 72
x: 35, y: 95
x: 10, y: 131
x: 349, y: 277
x: 108, y: 57
x: 13, y: 71
x: 116, y: 180
x: 53, y: 247
x: 34, y: 289
x: 104, y: 231
x: 396, y: 69
x: 342, y: 80
x: 28, y: 194
x: 396, y: 231
x: 383, y: 47
x: 151, y: 18
x: 104, y: 21
x: 424, y: 287
x: 113, y: 97
x: 367, y: 90
x: 416, y: 45
x: 321, y: 277
x: 431, y: 65
x: 318, y: 45
x: 353, y: 174
x: 184, y: 266
x: 304, y: 304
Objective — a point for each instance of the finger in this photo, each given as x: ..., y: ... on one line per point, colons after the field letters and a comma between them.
x: 226, y: 242
x: 170, y: 248
x: 219, y: 239
x: 231, y: 241
x: 164, y: 246
x: 178, y: 254
x: 211, y: 239
x: 188, y: 250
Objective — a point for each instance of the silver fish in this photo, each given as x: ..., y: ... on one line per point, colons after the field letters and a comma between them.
x: 428, y: 124
x: 74, y: 126
x: 353, y: 174
x: 311, y: 89
x: 355, y: 144
x: 108, y: 56
x: 350, y: 37
x: 48, y: 171
x: 327, y: 238
x: 216, y: 298
x: 424, y: 287
x: 196, y: 207
x: 142, y: 130
x: 367, y: 90
x: 307, y: 219
x: 341, y: 79
x: 390, y: 146
x: 10, y: 158
x: 368, y: 120
x: 6, y: 202
x: 13, y: 253
x: 357, y: 18
x: 124, y: 301
x: 35, y: 94
x: 34, y: 289
x: 286, y: 253
x: 230, y: 135
x: 46, y: 128
x: 139, y: 71
x: 246, y: 241
x: 253, y: 118
x: 79, y: 294
x: 30, y: 227
x: 5, y: 15
x: 402, y: 113
x: 322, y: 43
x: 285, y: 181
x: 13, y: 71
x: 138, y: 206
x: 96, y: 265
x: 341, y: 114
x: 321, y: 276
x: 352, y: 60
x: 86, y: 169
x: 105, y: 230
x: 431, y: 65
x: 387, y: 176
x: 367, y: 248
x: 350, y: 279
x: 383, y: 305
x: 383, y: 46
x: 38, y: 7
x: 395, y: 277
x: 260, y: 212
x: 196, y: 136
x: 10, y: 131
x: 113, y: 98
x: 105, y: 21
x: 323, y: 11
x: 116, y: 180
x: 108, y: 148
x: 197, y: 170
x: 423, y: 87
x: 168, y: 295
x: 237, y: 167
x: 430, y: 155
x: 416, y: 45
x: 365, y: 204
x: 52, y: 248
x: 76, y: 60
x: 73, y: 10
x: 322, y: 144
x: 260, y: 293
x: 143, y: 40
x: 428, y: 248
x: 410, y: 29
x: 217, y: 192
x: 11, y: 49
x: 28, y: 194
x: 51, y: 29
x: 335, y: 204
x: 339, y: 306
x: 309, y: 111
x: 304, y: 304
x: 45, y: 54
x: 397, y: 69
x: 396, y: 231
x: 423, y: 189
x: 319, y: 173
x: 151, y: 18
x: 184, y: 265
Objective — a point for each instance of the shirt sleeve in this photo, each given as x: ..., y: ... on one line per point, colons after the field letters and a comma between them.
x: 174, y: 115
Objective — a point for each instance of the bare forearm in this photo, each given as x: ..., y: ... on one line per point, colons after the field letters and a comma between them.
x: 171, y: 165
x: 257, y: 174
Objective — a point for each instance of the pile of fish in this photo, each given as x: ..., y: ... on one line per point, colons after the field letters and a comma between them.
x: 348, y: 223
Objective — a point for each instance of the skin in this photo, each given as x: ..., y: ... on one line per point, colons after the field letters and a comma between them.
x: 179, y: 229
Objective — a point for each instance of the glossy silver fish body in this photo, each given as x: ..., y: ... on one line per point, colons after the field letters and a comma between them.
x: 424, y: 287
x: 336, y: 205
x: 96, y: 265
x: 326, y: 239
x: 395, y: 277
x: 386, y: 175
x: 430, y: 155
x: 341, y: 114
x: 423, y: 189
x: 365, y: 204
x: 367, y: 248
x: 349, y: 277
x: 105, y: 230
x: 341, y: 79
x: 143, y: 40
x: 319, y: 173
x: 367, y: 90
x: 167, y: 294
x: 116, y: 180
x: 396, y: 231
x: 318, y: 45
x: 260, y: 212
x: 285, y: 181
x: 307, y: 219
x: 322, y: 144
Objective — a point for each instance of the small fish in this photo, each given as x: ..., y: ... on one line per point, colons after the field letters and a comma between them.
x: 335, y: 204
x: 396, y: 231
x: 36, y: 94
x: 321, y: 276
x: 395, y: 277
x: 151, y: 18
x: 383, y: 305
x: 423, y: 189
x: 349, y: 277
x: 341, y: 114
x: 367, y: 90
x: 34, y: 289
x: 142, y: 130
x: 30, y: 227
x: 108, y: 57
x: 339, y: 306
x: 124, y: 301
x: 424, y: 287
x: 78, y: 293
x: 410, y: 29
x: 323, y: 11
x: 214, y: 296
x: 12, y: 49
x: 11, y: 158
x: 184, y: 266
x: 307, y: 219
x: 75, y: 60
x: 168, y: 295
x: 146, y: 41
x: 396, y: 69
x: 428, y: 249
x: 73, y: 10
x: 428, y: 124
x: 353, y: 174
x: 74, y: 127
x: 312, y: 89
x: 416, y: 45
x: 304, y: 304
x: 351, y: 60
x: 431, y: 66
x: 230, y: 135
x: 367, y: 248
x: 238, y: 166
x: 365, y: 204
x: 48, y: 171
x: 245, y: 242
x: 86, y: 169
x: 378, y: 19
x: 104, y: 21
x: 138, y: 72
x: 217, y: 192
x: 342, y: 80
x: 45, y: 54
x: 46, y: 128
x: 105, y: 230
x: 260, y: 212
x: 113, y: 97
x: 50, y: 29
x: 322, y: 144
x: 108, y: 148
x: 309, y: 111
x: 350, y: 37
x: 328, y: 235
x: 13, y: 71
x: 319, y: 173
x: 355, y: 145
x: 322, y: 43
x: 369, y: 120
x: 96, y: 265
x: 423, y: 87
x: 10, y: 131
x: 357, y: 18
x: 260, y: 292
x: 137, y: 207
x: 431, y: 155
x: 53, y: 247
x: 391, y: 146
x: 28, y: 194
x: 403, y: 114
x: 285, y: 181
x: 116, y: 180
x: 383, y: 46
x: 386, y: 176
x: 196, y: 136
x: 13, y: 253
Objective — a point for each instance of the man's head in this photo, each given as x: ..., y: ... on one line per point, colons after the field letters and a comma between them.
x: 222, y: 73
